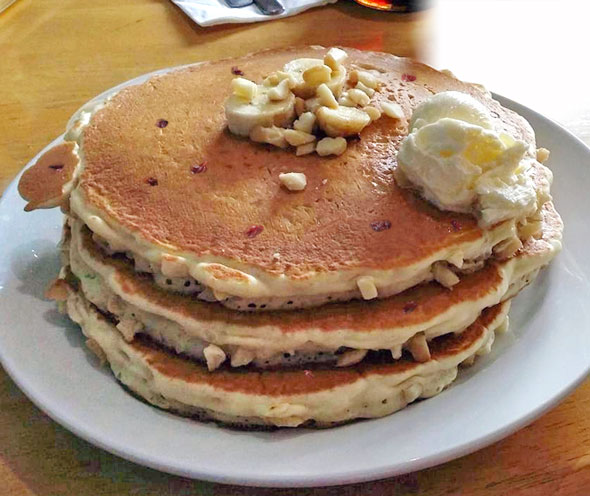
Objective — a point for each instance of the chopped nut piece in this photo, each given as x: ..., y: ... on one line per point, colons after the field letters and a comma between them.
x: 174, y: 266
x: 507, y: 248
x: 282, y: 75
x: 412, y: 393
x: 419, y: 348
x: 351, y: 357
x: 297, y: 138
x: 503, y: 327
x: 312, y: 104
x: 530, y: 229
x: 392, y: 110
x: 486, y: 347
x: 214, y: 356
x: 305, y: 122
x: 337, y: 81
x: 335, y: 58
x: 293, y: 181
x: 366, y: 285
x: 242, y: 356
x: 345, y: 101
x: 365, y: 89
x: 343, y: 121
x: 305, y: 149
x: 115, y: 305
x: 538, y: 215
x: 316, y: 75
x: 373, y: 112
x: 304, y: 89
x: 277, y: 77
x: 331, y: 146
x: 244, y: 88
x: 443, y: 275
x: 299, y: 106
x: 279, y: 92
x: 359, y: 97
x: 469, y: 361
x: 367, y: 79
x: 326, y: 97
x: 220, y: 295
x: 271, y: 80
x: 542, y: 155
x: 95, y: 348
x: 129, y: 327
x: 396, y: 352
x: 271, y: 135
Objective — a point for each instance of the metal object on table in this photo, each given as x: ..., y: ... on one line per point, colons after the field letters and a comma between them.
x: 238, y: 3
x: 270, y: 7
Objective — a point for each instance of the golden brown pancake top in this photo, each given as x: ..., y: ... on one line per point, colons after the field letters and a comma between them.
x: 309, y: 380
x: 140, y: 151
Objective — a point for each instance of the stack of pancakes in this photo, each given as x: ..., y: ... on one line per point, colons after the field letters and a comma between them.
x: 214, y: 292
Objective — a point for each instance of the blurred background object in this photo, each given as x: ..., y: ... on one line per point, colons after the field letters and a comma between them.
x: 530, y: 51
x: 396, y: 5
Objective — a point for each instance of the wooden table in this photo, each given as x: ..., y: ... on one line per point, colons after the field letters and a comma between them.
x: 57, y: 55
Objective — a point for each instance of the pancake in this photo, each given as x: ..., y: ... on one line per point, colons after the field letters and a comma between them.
x: 137, y: 190
x: 51, y: 179
x: 317, y: 395
x: 275, y: 338
x: 214, y: 291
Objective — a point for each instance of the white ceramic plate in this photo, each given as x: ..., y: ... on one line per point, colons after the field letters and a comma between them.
x: 546, y: 354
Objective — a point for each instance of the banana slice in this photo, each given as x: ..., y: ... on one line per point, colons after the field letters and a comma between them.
x: 306, y: 89
x: 243, y: 115
x: 342, y: 121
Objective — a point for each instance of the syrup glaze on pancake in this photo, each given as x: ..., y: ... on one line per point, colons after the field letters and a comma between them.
x: 138, y: 175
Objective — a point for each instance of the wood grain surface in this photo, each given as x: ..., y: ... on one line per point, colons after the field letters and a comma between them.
x: 54, y: 56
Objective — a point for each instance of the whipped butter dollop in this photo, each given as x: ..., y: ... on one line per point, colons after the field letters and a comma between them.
x: 460, y: 162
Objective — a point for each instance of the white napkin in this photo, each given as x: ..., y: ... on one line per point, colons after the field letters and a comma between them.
x: 212, y: 12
